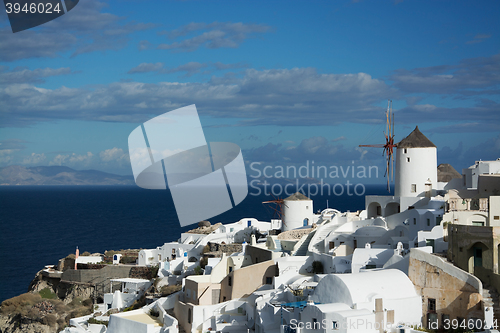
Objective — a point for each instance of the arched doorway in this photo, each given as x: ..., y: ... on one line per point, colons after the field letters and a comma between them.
x: 374, y: 210
x: 476, y: 254
x: 391, y: 208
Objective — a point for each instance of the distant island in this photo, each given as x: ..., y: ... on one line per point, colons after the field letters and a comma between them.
x: 59, y: 175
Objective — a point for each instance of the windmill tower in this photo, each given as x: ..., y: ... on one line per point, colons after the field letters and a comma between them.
x: 416, y: 166
x: 297, y: 212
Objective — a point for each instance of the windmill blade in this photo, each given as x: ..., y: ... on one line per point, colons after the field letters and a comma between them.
x: 392, y: 121
x: 374, y: 146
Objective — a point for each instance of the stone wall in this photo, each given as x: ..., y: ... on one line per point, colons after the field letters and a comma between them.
x: 225, y: 248
x: 455, y: 292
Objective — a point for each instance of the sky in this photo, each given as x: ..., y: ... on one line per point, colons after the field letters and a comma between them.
x: 287, y: 81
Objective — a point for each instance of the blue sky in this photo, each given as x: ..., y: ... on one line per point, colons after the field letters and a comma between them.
x: 288, y: 81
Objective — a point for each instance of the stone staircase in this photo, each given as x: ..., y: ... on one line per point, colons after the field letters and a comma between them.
x: 317, y: 245
x: 302, y: 250
x: 491, y: 298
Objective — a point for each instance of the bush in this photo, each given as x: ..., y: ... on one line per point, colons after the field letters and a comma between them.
x: 47, y: 293
x: 154, y: 313
x: 170, y: 289
x: 198, y: 270
x: 86, y: 254
x: 128, y: 260
x: 88, y: 303
x: 19, y: 303
x: 203, y: 262
x: 50, y: 320
x: 317, y: 267
x: 137, y: 304
x: 98, y: 322
x: 206, y: 249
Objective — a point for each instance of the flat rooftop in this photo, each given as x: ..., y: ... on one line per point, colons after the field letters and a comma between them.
x: 144, y: 318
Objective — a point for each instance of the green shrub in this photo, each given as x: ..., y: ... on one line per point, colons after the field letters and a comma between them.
x: 317, y: 267
x: 47, y: 293
x: 137, y: 304
x: 99, y: 322
x: 198, y: 270
x: 154, y: 313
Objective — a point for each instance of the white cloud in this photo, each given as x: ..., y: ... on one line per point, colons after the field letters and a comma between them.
x: 214, y: 35
x: 114, y: 155
x: 73, y: 160
x: 34, y: 159
x: 86, y: 29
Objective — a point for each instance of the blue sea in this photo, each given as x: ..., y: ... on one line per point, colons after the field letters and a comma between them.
x: 41, y: 224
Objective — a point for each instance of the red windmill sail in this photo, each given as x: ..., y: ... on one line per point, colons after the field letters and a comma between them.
x: 278, y: 208
x: 389, y: 144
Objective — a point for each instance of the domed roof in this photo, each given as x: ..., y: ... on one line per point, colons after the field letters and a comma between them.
x: 297, y: 196
x: 415, y: 140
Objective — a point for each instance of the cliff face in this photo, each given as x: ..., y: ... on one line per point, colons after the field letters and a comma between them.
x: 15, y: 323
x: 46, y: 308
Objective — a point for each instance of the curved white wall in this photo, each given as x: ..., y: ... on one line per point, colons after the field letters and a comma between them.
x: 295, y: 211
x: 421, y: 166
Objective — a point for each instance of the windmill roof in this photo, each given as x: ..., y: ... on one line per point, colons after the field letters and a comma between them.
x: 446, y: 172
x: 416, y: 140
x: 297, y: 196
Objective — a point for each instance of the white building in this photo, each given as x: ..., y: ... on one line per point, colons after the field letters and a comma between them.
x: 297, y: 212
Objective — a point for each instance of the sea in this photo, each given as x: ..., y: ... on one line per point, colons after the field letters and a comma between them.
x: 41, y: 224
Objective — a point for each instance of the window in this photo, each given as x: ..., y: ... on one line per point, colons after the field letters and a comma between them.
x: 229, y: 281
x: 332, y: 245
x: 438, y: 220
x: 407, y: 159
x: 370, y: 266
x: 428, y: 222
x: 413, y: 188
x: 190, y: 316
x: 269, y: 280
x: 496, y: 217
x: 432, y: 319
x: 478, y: 223
x: 414, y: 220
x: 335, y: 326
x: 431, y: 304
x: 231, y: 229
x: 405, y: 151
x: 230, y: 269
x: 316, y: 325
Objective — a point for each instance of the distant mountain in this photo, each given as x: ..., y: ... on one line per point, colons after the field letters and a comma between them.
x: 59, y: 175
